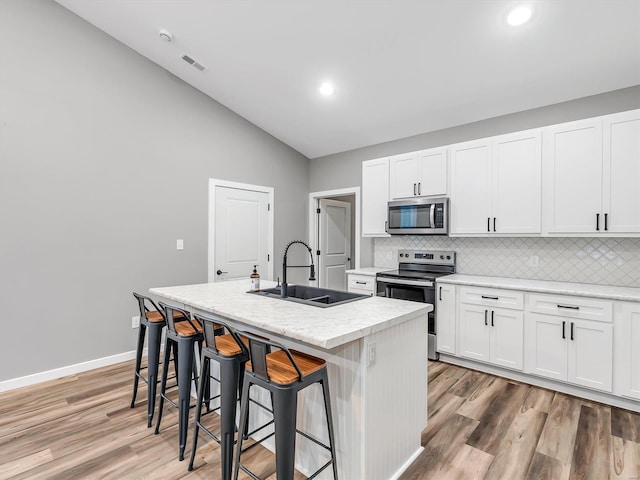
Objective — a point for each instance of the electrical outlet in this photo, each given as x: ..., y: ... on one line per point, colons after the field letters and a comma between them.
x: 179, y: 244
x: 371, y: 354
x: 135, y: 321
x: 533, y: 261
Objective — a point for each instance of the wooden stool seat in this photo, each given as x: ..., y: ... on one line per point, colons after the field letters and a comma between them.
x: 227, y: 345
x: 186, y: 329
x: 282, y: 372
x: 155, y: 316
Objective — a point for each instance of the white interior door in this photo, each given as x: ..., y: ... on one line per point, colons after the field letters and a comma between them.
x: 241, y: 233
x: 335, y: 243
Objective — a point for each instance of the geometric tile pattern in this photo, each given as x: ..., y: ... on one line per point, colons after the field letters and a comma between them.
x: 604, y: 261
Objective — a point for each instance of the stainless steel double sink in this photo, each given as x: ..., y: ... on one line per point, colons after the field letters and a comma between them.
x: 315, y: 296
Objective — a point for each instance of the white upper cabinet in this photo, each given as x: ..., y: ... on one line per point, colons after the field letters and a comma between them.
x: 375, y: 195
x: 592, y: 173
x: 470, y: 202
x: 418, y: 174
x: 621, y: 172
x: 496, y: 185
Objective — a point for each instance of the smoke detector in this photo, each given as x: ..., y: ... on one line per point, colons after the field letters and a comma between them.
x: 165, y: 35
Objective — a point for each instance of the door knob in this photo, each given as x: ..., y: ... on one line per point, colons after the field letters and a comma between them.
x: 220, y: 272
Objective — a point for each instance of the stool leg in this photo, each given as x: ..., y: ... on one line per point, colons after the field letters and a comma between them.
x: 284, y: 415
x: 153, y: 359
x: 136, y: 378
x: 229, y: 379
x: 327, y: 407
x: 168, y: 345
x: 185, y: 370
x: 244, y: 419
x: 204, y: 365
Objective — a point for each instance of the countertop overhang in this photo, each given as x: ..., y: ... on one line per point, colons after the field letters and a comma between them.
x: 610, y: 292
x: 321, y: 327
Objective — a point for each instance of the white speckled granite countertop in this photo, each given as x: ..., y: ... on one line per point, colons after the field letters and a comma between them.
x: 371, y: 271
x: 322, y: 327
x: 610, y: 292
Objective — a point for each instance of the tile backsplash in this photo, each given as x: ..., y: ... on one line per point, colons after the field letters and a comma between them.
x: 606, y: 261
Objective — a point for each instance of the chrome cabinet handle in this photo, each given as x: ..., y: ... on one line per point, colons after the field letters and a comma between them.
x: 419, y: 189
x: 414, y: 189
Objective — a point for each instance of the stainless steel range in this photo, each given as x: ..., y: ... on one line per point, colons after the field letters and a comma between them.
x: 414, y: 280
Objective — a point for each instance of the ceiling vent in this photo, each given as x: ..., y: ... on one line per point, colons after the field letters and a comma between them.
x: 191, y: 61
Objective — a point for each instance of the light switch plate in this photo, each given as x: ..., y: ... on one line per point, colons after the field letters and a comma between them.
x: 180, y: 244
x: 135, y: 321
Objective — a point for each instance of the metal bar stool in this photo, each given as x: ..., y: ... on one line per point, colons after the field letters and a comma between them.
x: 223, y: 345
x: 283, y: 373
x: 153, y: 320
x: 182, y: 334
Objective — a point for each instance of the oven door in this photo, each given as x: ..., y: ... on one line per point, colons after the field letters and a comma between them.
x: 422, y: 291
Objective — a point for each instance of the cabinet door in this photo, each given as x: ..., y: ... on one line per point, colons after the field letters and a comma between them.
x: 375, y: 195
x: 621, y: 195
x: 475, y: 338
x: 507, y: 338
x: 432, y: 172
x: 403, y: 174
x: 573, y: 177
x: 446, y: 318
x: 627, y: 324
x: 517, y: 179
x: 546, y: 350
x: 470, y: 188
x: 591, y: 354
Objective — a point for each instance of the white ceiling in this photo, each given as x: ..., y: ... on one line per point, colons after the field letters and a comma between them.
x: 400, y: 67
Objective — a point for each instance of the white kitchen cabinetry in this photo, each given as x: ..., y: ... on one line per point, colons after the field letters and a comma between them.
x: 365, y: 284
x: 446, y: 318
x: 375, y: 196
x: 491, y: 328
x: 416, y: 174
x: 496, y: 185
x: 627, y: 341
x: 592, y: 174
x: 565, y: 343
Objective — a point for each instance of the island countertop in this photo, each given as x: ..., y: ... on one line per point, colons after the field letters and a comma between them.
x: 326, y: 328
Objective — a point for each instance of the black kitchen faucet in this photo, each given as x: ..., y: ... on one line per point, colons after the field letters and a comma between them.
x: 312, y: 272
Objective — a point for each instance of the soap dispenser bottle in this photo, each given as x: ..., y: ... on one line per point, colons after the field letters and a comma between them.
x: 255, y: 279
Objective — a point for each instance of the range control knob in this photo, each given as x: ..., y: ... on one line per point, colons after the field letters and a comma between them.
x: 441, y: 257
x: 448, y: 257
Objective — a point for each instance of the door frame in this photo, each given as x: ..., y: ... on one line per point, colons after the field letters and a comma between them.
x: 215, y: 182
x: 313, y: 232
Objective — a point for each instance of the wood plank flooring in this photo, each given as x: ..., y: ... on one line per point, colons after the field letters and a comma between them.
x: 480, y: 427
x: 488, y: 428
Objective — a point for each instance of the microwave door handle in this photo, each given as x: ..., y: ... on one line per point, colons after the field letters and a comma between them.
x: 432, y: 215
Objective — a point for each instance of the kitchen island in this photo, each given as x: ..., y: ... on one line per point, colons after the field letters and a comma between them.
x: 376, y: 353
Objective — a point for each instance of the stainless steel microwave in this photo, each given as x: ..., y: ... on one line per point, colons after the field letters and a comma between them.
x: 418, y: 216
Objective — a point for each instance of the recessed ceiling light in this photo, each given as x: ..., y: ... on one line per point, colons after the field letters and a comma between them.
x: 326, y: 89
x: 519, y: 15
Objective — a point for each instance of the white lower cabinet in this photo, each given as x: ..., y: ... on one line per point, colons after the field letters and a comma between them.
x: 570, y: 350
x: 493, y: 335
x: 627, y: 323
x: 581, y: 344
x: 446, y: 318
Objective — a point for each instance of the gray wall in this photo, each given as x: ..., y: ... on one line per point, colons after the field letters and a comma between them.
x: 104, y: 163
x: 343, y: 170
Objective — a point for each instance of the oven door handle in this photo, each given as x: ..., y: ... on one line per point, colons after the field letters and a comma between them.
x: 399, y: 281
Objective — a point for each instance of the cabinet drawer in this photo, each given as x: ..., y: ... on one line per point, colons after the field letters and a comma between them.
x: 492, y: 297
x: 361, y: 283
x: 571, y: 307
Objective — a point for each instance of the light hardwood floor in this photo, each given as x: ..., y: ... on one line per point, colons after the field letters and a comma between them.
x: 480, y: 427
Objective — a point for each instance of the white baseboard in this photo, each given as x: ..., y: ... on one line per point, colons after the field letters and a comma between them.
x: 40, y: 377
x: 406, y: 464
